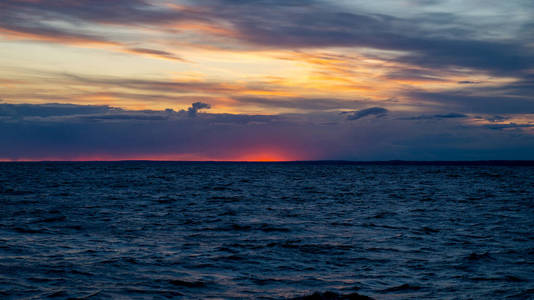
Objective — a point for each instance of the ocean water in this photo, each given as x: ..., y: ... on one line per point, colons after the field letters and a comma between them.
x: 157, y: 230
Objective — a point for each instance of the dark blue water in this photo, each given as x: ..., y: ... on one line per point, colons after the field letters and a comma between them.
x: 145, y: 230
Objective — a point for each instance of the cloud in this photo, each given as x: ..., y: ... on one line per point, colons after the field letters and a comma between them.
x: 54, y: 36
x: 52, y: 109
x: 411, y: 74
x: 80, y: 23
x: 422, y: 38
x: 438, y: 116
x: 373, y: 111
x: 131, y: 92
x: 468, y: 82
x: 101, y: 132
x: 276, y: 24
x: 301, y: 103
x: 98, y: 11
x: 471, y: 101
x: 510, y: 125
x: 154, y: 53
x: 497, y: 118
x: 195, y: 107
x: 180, y: 86
x: 450, y: 116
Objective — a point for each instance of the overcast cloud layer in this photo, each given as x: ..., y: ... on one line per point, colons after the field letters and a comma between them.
x: 55, y: 131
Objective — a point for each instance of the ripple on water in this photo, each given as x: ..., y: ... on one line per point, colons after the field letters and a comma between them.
x: 276, y: 231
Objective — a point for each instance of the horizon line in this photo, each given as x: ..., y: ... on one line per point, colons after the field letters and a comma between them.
x: 324, y: 161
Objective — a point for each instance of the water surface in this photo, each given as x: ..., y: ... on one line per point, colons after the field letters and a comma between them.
x: 149, y: 230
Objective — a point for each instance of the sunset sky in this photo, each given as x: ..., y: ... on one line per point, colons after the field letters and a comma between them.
x: 266, y: 79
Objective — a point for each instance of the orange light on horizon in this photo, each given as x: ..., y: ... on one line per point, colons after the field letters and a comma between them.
x: 263, y: 155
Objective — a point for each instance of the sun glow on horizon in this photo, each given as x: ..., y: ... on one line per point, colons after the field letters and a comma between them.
x: 264, y: 155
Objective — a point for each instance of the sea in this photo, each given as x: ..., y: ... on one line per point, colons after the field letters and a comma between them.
x: 314, y: 230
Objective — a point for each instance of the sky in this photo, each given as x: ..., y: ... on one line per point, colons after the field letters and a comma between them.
x: 266, y: 80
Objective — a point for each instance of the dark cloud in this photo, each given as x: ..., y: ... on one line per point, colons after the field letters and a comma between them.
x: 508, y: 126
x: 437, y: 116
x: 468, y: 82
x: 468, y: 102
x: 50, y: 34
x: 195, y: 107
x: 100, y: 11
x: 373, y: 111
x: 274, y: 24
x: 502, y: 58
x: 451, y: 116
x: 52, y: 109
x: 122, y: 117
x: 523, y: 87
x: 96, y: 132
x: 154, y: 52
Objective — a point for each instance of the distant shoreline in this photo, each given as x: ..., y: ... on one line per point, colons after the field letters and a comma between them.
x: 308, y: 162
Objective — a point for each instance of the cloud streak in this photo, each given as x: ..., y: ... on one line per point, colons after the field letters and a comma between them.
x: 373, y: 111
x: 154, y: 53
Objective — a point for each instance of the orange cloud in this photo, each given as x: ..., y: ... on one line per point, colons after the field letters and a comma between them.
x: 56, y: 37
